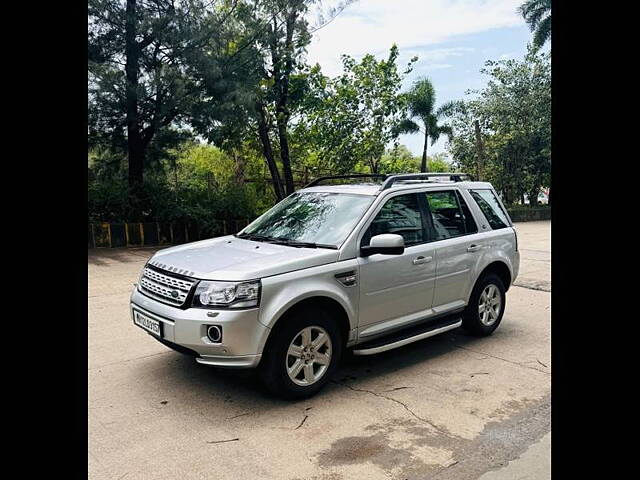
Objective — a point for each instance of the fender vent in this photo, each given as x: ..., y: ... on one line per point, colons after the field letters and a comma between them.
x: 348, y: 279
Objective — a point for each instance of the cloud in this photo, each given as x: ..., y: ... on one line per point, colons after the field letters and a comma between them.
x: 442, y: 53
x: 436, y: 66
x: 372, y: 26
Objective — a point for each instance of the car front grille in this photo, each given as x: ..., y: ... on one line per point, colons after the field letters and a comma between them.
x: 165, y: 288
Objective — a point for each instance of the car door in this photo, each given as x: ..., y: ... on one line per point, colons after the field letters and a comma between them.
x: 396, y: 289
x: 458, y: 247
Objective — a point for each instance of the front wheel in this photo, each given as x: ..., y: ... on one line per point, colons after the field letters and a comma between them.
x: 486, y: 306
x: 302, y: 356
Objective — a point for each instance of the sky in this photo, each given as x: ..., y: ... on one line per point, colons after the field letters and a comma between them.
x: 452, y: 39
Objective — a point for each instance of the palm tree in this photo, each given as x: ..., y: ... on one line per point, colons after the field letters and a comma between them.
x: 537, y: 14
x: 421, y: 100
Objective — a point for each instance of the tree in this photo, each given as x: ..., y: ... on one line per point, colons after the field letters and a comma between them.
x: 537, y: 14
x: 139, y: 82
x: 513, y: 115
x: 438, y: 163
x: 421, y: 100
x: 400, y: 160
x: 286, y: 35
x: 279, y: 31
x: 354, y: 116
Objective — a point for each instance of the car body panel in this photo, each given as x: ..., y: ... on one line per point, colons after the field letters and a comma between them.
x: 281, y: 292
x: 390, y: 293
x: 392, y: 286
x: 230, y: 258
x: 243, y: 337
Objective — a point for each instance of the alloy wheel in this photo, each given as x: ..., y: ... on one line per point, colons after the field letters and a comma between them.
x: 308, y: 356
x: 489, y: 305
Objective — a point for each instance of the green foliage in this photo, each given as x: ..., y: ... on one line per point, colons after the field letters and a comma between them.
x: 198, y: 182
x: 350, y: 119
x: 439, y: 163
x: 233, y: 74
x: 514, y: 114
x: 400, y: 160
x: 421, y: 101
x: 537, y: 14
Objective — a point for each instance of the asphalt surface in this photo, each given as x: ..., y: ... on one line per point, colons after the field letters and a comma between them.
x: 447, y: 407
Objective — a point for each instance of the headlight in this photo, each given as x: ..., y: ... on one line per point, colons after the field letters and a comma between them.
x: 227, y: 294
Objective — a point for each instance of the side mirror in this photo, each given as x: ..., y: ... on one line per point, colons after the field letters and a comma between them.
x: 385, y: 244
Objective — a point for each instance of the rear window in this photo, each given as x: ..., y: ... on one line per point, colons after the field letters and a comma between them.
x: 447, y: 218
x: 491, y: 208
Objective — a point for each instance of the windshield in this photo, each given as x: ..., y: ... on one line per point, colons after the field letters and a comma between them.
x: 318, y: 218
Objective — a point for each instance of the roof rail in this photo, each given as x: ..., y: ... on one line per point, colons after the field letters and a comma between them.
x: 454, y: 177
x: 318, y: 180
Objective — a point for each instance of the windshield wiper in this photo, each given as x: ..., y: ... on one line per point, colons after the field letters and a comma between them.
x: 284, y: 241
x: 253, y: 236
x: 300, y: 244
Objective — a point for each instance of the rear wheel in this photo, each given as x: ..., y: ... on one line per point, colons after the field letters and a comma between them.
x: 486, y: 306
x: 302, y: 356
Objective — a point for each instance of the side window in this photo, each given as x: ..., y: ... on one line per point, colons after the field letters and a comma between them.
x: 469, y: 222
x: 399, y: 215
x: 489, y: 205
x: 448, y: 219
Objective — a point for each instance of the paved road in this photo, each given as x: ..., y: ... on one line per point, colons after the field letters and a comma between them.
x: 448, y: 407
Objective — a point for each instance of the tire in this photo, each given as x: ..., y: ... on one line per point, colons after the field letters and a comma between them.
x: 482, y: 325
x: 277, y: 359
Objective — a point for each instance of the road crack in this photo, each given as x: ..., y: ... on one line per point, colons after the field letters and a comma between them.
x: 504, y: 359
x: 404, y: 405
x: 224, y: 441
x: 240, y: 415
x: 534, y: 285
x: 302, y: 422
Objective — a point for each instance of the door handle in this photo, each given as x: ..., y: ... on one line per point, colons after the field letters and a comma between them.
x: 474, y: 248
x: 420, y: 260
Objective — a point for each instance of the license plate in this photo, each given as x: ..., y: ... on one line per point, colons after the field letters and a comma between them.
x: 149, y: 324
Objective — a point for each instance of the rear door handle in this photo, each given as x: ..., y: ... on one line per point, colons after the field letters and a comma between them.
x: 420, y: 260
x: 474, y: 248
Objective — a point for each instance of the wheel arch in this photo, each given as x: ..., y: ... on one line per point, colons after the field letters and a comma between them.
x: 330, y: 305
x: 499, y: 268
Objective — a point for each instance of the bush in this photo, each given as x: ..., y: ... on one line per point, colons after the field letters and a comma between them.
x: 108, y: 202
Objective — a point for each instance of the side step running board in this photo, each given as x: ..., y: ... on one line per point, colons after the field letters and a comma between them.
x: 403, y: 338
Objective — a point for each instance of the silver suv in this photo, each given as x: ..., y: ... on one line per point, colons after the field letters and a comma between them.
x: 364, y: 267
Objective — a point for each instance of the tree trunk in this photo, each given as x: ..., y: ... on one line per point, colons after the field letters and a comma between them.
x: 479, y: 150
x: 423, y: 166
x: 263, y: 133
x: 535, y: 191
x: 239, y: 167
x: 175, y: 175
x: 373, y: 165
x: 282, y: 68
x: 284, y: 152
x: 135, y: 144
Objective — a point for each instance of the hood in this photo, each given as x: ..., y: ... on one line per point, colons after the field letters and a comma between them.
x: 231, y: 258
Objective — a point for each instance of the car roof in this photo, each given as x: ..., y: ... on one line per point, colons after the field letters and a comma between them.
x: 375, y: 188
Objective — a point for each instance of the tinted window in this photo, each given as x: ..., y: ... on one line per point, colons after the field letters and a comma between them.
x: 399, y: 215
x: 448, y: 219
x: 469, y: 222
x: 489, y: 205
x: 317, y: 217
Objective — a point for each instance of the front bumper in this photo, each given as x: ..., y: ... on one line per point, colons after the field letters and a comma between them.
x: 243, y: 336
